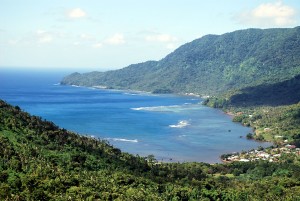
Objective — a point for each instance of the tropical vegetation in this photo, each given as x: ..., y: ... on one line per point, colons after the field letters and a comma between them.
x: 212, y: 65
x: 252, y: 74
x: 40, y: 161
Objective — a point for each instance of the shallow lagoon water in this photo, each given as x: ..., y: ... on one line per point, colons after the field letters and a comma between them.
x: 172, y: 128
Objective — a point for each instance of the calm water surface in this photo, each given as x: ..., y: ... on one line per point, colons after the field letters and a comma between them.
x: 168, y: 126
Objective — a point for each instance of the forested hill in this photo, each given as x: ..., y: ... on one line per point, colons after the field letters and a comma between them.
x: 210, y: 65
x: 40, y: 161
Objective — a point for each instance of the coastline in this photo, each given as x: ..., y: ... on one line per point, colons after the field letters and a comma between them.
x: 227, y: 113
x: 102, y: 87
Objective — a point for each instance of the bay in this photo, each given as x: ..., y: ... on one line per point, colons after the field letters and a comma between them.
x: 171, y: 127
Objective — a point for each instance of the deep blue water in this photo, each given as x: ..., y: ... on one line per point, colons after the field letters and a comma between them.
x: 168, y: 126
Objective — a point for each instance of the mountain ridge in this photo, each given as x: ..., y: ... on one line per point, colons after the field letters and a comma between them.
x: 210, y: 65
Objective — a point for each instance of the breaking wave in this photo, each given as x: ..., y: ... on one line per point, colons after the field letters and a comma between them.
x: 158, y: 108
x: 170, y: 108
x: 181, y: 124
x: 123, y: 140
x: 130, y: 94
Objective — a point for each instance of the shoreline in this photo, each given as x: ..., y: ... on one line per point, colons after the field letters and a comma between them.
x: 100, y: 87
x: 227, y: 113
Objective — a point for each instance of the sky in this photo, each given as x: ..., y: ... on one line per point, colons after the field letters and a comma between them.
x: 102, y: 35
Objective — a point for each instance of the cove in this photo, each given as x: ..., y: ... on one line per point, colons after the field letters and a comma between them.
x: 172, y: 128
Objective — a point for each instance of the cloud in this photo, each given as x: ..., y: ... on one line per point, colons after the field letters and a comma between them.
x: 13, y: 42
x: 44, y: 36
x: 76, y: 43
x: 269, y: 15
x: 116, y: 39
x: 171, y: 46
x: 37, y: 37
x: 87, y: 40
x: 76, y: 13
x: 87, y: 37
x: 97, y: 45
x: 165, y: 38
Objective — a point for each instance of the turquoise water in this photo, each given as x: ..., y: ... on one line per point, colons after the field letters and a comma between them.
x: 173, y: 128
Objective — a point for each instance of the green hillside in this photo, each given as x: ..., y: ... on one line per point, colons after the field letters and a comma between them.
x: 254, y: 74
x: 271, y: 110
x: 247, y: 71
x: 40, y: 161
x: 210, y: 65
x: 281, y: 93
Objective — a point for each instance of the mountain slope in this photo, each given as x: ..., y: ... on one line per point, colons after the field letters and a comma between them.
x: 210, y: 65
x: 40, y: 161
x: 280, y: 93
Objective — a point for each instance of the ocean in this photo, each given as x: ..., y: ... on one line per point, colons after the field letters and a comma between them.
x: 171, y: 127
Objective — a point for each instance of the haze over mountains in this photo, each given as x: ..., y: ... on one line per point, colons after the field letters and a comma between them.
x: 211, y: 65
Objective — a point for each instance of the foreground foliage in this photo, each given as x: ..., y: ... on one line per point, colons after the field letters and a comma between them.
x: 39, y: 161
